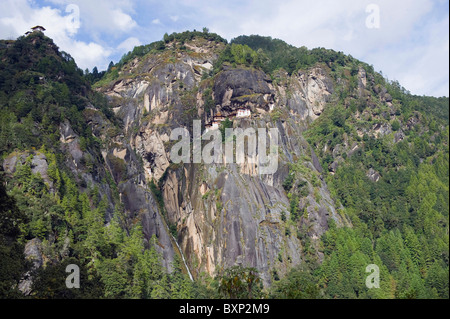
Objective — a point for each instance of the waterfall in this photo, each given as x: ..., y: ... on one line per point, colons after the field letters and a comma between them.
x: 184, y: 260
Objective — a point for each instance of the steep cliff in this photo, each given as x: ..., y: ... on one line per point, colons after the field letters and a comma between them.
x: 360, y: 175
x: 227, y: 213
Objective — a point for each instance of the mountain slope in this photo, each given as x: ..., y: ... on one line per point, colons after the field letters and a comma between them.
x: 362, y: 175
x: 66, y: 182
x: 224, y: 213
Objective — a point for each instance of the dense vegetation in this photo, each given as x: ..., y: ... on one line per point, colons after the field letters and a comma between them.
x: 41, y: 88
x: 158, y: 46
x: 399, y: 222
x: 274, y: 54
x: 12, y: 259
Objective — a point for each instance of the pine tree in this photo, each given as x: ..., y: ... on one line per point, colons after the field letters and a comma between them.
x: 12, y: 259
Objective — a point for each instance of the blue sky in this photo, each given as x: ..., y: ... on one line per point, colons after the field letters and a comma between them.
x: 409, y: 44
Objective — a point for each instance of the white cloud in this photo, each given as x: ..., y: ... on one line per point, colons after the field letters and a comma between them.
x: 326, y: 23
x: 156, y: 21
x: 88, y: 55
x: 174, y: 18
x: 129, y: 44
x: 422, y: 68
x: 110, y: 16
x: 122, y: 20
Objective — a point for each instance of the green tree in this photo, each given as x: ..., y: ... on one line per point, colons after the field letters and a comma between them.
x: 181, y: 285
x: 12, y: 259
x: 239, y: 282
x: 161, y: 289
x: 50, y: 282
x: 395, y: 125
x: 298, y: 284
x: 114, y: 277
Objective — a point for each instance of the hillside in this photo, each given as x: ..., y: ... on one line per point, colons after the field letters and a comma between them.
x: 361, y: 178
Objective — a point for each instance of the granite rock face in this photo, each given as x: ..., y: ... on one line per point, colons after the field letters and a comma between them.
x: 224, y: 213
x: 33, y: 253
x: 234, y: 87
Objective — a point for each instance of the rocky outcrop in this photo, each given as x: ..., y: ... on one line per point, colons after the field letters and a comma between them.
x: 38, y: 164
x: 224, y: 213
x: 383, y: 94
x: 373, y: 175
x: 122, y: 160
x: 235, y: 88
x: 305, y: 93
x: 34, y: 254
x: 139, y: 202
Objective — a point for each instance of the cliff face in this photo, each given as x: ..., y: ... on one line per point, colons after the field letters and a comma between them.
x: 223, y: 213
x: 91, y: 178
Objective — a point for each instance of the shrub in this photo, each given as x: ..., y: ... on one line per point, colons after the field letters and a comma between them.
x: 395, y: 125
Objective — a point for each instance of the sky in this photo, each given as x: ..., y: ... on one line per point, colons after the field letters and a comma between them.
x: 407, y: 40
